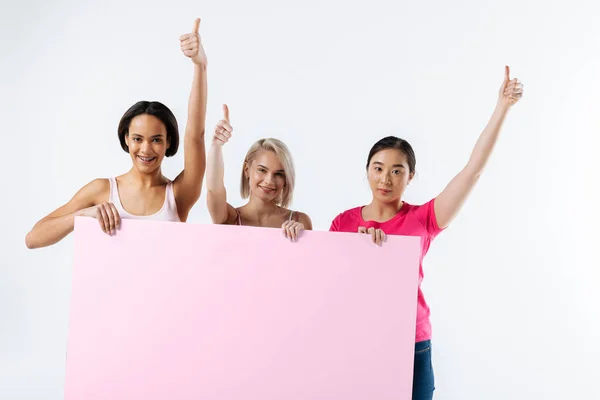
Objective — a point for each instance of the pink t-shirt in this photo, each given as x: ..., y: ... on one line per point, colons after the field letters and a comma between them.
x: 410, y: 221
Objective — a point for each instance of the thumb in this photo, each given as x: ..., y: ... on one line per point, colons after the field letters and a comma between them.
x: 196, y: 25
x: 506, y: 74
x: 226, y: 112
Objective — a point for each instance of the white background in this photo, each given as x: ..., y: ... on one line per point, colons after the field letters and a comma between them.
x: 513, y: 284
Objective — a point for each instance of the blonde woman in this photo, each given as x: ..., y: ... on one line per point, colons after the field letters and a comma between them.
x: 267, y: 181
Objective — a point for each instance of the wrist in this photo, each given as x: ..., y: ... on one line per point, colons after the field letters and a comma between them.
x: 200, y: 64
x: 503, y: 105
x: 217, y: 145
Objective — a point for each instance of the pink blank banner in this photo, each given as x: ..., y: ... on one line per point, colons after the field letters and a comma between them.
x: 183, y: 311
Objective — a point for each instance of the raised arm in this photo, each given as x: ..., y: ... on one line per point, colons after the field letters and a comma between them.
x: 89, y: 201
x: 188, y: 184
x: 220, y: 211
x: 450, y: 201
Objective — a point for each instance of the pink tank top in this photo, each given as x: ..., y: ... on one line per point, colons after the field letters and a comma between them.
x: 168, y: 212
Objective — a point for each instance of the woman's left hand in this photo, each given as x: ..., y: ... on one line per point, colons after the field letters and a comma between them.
x: 191, y: 45
x: 292, y: 230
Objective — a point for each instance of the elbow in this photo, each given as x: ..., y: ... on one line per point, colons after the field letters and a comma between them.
x: 30, y: 242
x: 474, y: 171
x: 195, y: 135
x: 214, y: 193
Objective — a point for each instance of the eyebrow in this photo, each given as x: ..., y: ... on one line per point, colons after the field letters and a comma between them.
x: 260, y: 165
x: 395, y: 165
x: 153, y: 136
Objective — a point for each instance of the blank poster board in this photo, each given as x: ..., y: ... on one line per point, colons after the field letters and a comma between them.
x: 180, y: 311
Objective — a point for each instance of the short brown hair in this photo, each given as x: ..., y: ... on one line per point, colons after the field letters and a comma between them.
x: 157, y: 110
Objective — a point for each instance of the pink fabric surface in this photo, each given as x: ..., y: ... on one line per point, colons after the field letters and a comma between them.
x: 168, y: 310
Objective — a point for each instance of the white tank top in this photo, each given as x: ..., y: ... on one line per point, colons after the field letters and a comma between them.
x: 168, y: 212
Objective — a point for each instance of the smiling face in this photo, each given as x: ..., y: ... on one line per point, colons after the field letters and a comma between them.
x: 266, y: 176
x: 389, y: 174
x: 147, y: 142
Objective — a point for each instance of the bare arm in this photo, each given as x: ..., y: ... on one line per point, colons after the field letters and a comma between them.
x: 188, y: 184
x: 58, y: 224
x: 452, y: 198
x: 220, y: 211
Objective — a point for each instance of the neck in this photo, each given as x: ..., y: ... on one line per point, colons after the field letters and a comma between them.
x: 383, y: 211
x: 146, y: 180
x: 260, y: 207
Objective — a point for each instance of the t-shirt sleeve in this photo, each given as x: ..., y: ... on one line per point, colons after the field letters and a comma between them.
x: 426, y: 214
x: 335, y: 224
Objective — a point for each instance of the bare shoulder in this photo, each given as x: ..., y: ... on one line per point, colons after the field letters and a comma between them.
x: 96, y: 191
x: 305, y: 220
x: 99, y: 186
x: 93, y: 193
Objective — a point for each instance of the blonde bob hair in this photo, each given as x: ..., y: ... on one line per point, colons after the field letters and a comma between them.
x: 285, y: 157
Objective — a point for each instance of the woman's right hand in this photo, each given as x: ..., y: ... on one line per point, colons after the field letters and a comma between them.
x: 223, y: 129
x: 106, y: 214
x: 377, y: 235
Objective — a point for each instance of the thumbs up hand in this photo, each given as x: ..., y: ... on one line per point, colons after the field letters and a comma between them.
x: 511, y: 90
x: 223, y: 129
x: 191, y: 45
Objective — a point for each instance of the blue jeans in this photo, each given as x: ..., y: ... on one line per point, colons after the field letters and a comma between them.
x: 423, y: 380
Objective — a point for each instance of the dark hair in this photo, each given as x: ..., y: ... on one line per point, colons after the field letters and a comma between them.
x: 393, y: 142
x: 157, y: 110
